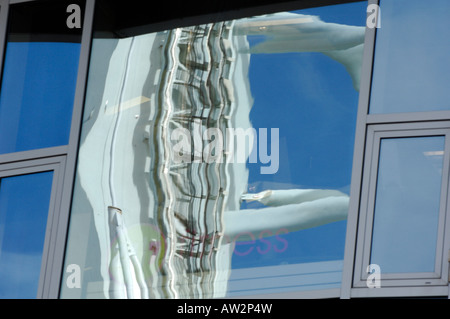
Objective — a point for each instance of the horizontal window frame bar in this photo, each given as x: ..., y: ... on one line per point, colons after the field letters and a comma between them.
x: 408, y: 117
x: 33, y: 154
x: 422, y: 291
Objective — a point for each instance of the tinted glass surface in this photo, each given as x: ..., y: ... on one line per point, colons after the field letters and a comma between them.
x: 24, y: 204
x: 411, y: 67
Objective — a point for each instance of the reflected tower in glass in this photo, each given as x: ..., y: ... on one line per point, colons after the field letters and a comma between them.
x: 170, y: 177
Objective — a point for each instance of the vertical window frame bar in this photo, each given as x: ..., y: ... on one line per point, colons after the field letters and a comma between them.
x: 69, y: 174
x: 358, y: 158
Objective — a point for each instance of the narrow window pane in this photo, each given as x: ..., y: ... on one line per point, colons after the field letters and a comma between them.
x: 24, y: 204
x: 407, y: 204
x: 39, y: 77
x: 411, y: 67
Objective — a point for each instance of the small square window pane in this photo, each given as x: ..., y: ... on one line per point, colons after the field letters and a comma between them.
x: 407, y: 204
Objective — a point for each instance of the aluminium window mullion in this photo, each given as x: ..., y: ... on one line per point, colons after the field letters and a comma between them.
x: 407, y: 117
x: 368, y: 168
x: 51, y: 232
x: 441, y: 266
x: 50, y: 164
x: 358, y: 159
x: 72, y: 153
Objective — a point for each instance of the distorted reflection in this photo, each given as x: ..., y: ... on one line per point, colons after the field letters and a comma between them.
x: 167, y: 140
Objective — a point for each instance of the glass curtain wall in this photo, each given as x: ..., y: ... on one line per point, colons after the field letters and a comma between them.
x: 407, y: 204
x: 38, y: 83
x: 215, y: 160
x: 24, y: 205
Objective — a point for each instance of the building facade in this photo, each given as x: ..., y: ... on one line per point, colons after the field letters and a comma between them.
x: 273, y: 149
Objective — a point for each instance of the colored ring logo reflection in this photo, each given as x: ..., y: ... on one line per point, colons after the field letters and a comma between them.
x: 145, y: 250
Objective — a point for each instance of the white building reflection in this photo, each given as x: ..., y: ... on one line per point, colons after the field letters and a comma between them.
x: 162, y: 228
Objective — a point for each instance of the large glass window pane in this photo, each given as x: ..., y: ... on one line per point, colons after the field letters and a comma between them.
x: 411, y: 67
x: 39, y: 77
x: 215, y: 159
x: 24, y: 205
x: 407, y: 204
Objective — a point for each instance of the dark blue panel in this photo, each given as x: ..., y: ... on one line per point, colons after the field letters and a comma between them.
x: 24, y: 204
x: 407, y: 204
x: 37, y: 95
